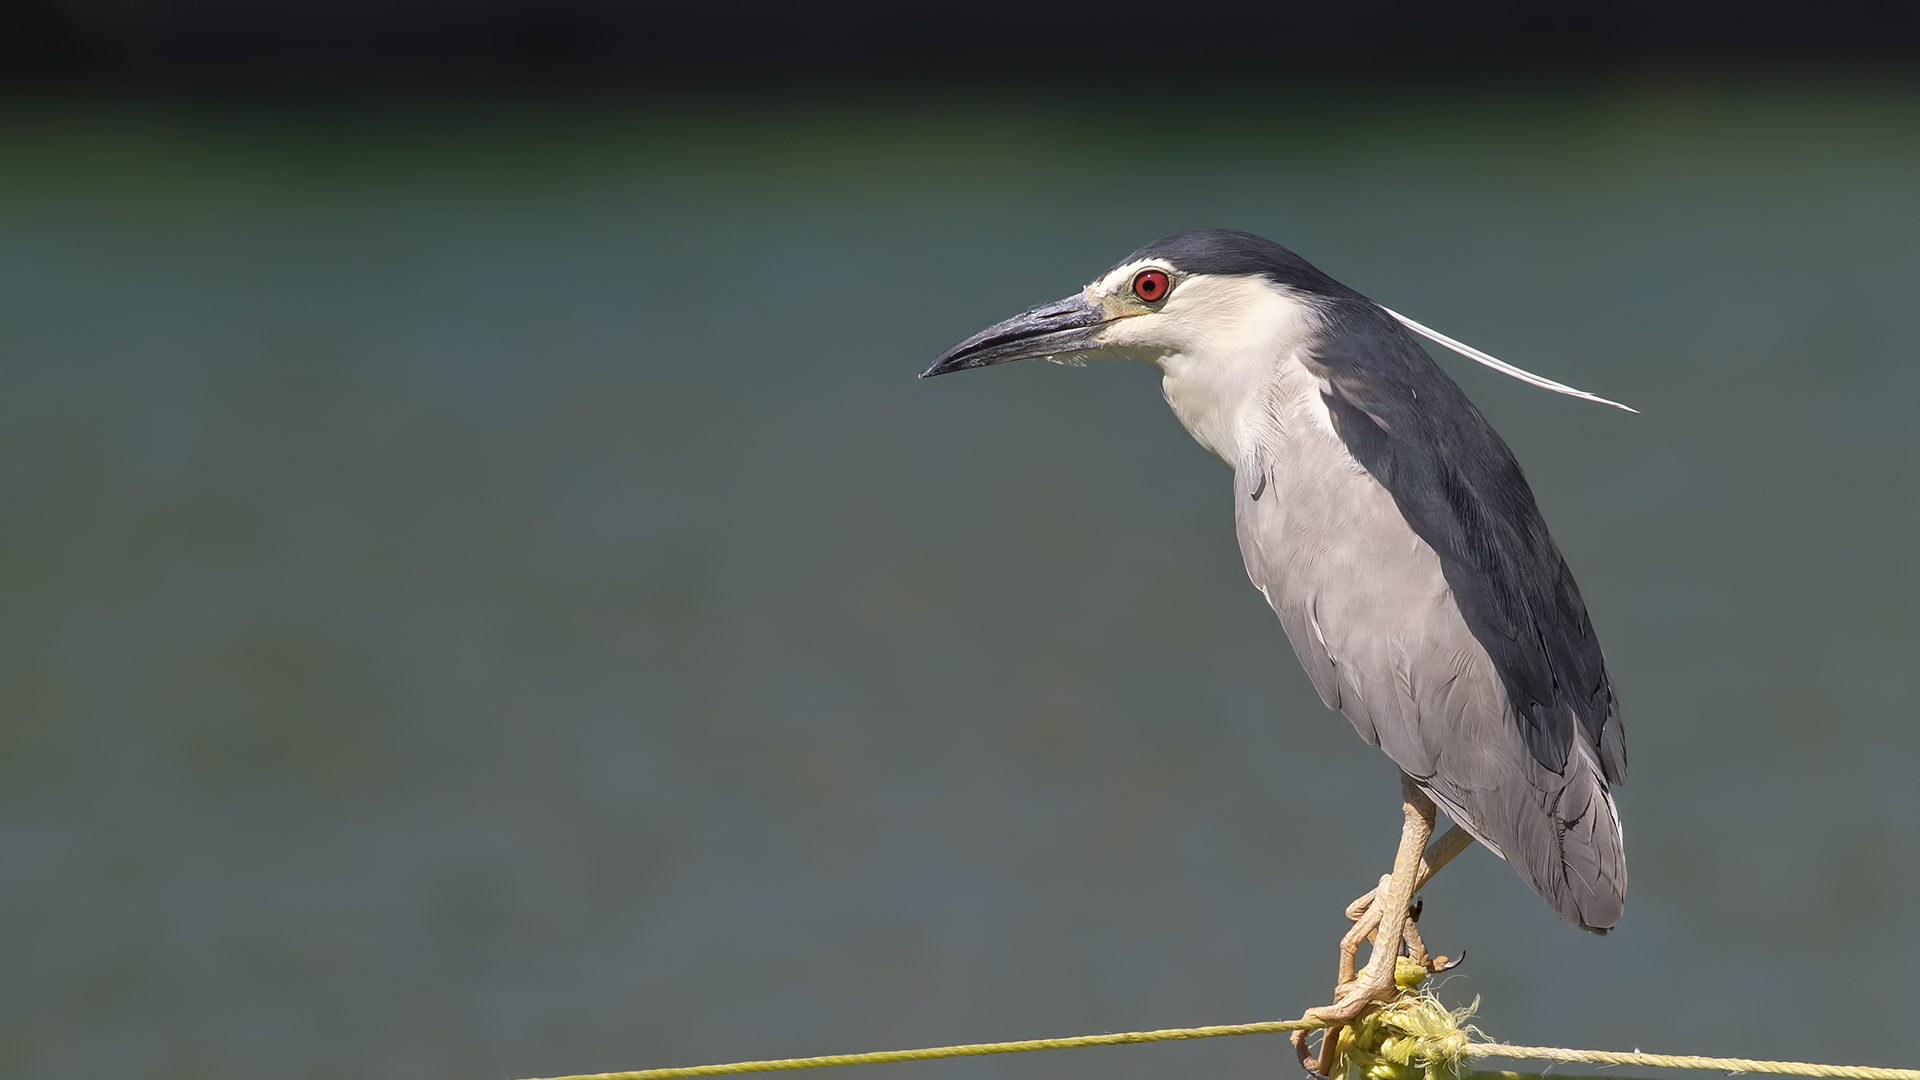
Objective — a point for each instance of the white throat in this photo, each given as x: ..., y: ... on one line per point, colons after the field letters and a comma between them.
x: 1221, y: 344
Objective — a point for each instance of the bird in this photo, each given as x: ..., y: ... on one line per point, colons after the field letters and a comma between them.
x: 1393, y: 533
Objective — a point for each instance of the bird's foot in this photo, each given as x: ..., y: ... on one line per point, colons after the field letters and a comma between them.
x: 1352, y: 1001
x: 1333, y: 1020
x: 1366, y: 914
x: 1380, y: 983
x: 1399, y: 960
x: 1317, y: 1063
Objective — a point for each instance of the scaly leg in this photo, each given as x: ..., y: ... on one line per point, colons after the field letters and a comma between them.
x: 1438, y: 854
x: 1376, y: 984
x: 1366, y: 914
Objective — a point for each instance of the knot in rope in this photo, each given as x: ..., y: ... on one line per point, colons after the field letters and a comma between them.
x: 1412, y: 1038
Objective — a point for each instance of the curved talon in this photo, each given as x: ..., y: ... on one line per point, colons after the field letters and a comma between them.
x: 1441, y: 963
x: 1308, y: 1057
x: 1329, y: 1052
x: 1414, y: 948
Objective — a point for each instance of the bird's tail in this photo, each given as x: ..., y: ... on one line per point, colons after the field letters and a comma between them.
x: 1562, y: 836
x: 1580, y: 864
x: 1593, y: 856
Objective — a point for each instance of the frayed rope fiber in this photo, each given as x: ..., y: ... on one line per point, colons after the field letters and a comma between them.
x: 1415, y: 1038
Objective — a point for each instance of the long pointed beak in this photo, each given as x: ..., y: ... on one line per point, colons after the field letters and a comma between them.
x: 1064, y: 326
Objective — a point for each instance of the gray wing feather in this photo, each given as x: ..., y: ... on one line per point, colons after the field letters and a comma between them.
x: 1375, y: 623
x: 1458, y: 486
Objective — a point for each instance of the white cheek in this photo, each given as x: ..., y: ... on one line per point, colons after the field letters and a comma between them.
x: 1132, y: 338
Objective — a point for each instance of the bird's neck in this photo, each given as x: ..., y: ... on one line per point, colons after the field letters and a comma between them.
x: 1221, y: 383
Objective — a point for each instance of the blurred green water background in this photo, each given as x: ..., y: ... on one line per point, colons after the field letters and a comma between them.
x: 484, y: 594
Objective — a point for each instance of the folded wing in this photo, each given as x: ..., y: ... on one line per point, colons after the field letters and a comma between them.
x: 1429, y: 604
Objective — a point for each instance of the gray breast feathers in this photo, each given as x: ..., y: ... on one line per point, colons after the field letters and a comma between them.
x: 1373, y: 610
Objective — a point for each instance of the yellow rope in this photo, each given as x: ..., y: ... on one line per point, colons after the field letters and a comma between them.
x: 882, y: 1057
x: 1672, y: 1061
x: 1531, y: 1053
x: 1493, y: 1074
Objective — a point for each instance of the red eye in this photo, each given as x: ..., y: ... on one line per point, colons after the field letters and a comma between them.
x: 1150, y: 285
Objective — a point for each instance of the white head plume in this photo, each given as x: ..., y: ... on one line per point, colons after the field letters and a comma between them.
x: 1499, y: 365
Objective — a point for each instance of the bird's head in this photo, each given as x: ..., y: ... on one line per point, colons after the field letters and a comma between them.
x: 1194, y: 294
x: 1206, y: 306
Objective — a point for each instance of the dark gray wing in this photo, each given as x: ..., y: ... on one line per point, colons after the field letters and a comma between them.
x: 1460, y: 489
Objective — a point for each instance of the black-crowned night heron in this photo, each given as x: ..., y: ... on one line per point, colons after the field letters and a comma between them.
x: 1391, y: 530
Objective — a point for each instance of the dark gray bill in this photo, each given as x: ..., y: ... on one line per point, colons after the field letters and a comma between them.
x: 1063, y: 326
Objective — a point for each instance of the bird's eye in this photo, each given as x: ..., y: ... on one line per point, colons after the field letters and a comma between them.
x: 1150, y: 285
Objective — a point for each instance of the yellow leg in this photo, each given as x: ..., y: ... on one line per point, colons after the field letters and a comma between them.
x: 1438, y: 854
x: 1376, y: 982
x: 1389, y: 923
x: 1382, y: 918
